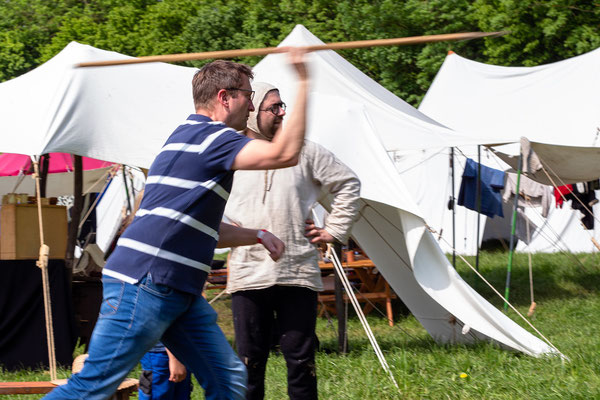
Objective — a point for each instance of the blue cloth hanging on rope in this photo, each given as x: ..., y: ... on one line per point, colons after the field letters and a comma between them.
x: 492, y: 183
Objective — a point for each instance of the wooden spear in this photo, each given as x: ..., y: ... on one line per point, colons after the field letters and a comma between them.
x: 270, y: 50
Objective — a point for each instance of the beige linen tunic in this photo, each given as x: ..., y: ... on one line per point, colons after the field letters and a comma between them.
x: 280, y: 201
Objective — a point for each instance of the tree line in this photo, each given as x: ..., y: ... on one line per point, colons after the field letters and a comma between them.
x: 540, y: 31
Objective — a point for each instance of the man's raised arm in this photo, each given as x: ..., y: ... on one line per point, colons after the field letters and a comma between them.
x: 284, y: 150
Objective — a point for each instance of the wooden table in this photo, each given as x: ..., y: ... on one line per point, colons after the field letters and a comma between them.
x: 216, y: 280
x: 372, y: 286
x: 127, y: 388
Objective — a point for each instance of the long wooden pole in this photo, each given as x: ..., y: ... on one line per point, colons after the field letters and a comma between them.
x: 478, y: 200
x: 512, y: 234
x: 76, y: 210
x: 453, y: 200
x: 270, y: 50
x: 340, y: 305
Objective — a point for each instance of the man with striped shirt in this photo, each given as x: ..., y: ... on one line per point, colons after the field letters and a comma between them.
x: 153, y: 280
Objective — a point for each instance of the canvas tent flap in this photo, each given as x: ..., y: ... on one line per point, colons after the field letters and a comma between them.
x: 442, y: 283
x: 428, y: 285
x: 560, y: 165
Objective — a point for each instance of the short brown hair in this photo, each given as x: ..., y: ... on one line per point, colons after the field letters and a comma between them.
x: 217, y: 75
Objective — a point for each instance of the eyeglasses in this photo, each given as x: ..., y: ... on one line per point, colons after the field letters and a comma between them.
x: 244, y: 90
x: 275, y: 108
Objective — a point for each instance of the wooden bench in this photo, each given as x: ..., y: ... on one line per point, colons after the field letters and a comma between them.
x: 127, y: 388
x: 216, y: 280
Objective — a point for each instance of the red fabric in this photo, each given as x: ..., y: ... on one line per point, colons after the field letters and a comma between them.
x: 15, y: 164
x: 559, y: 192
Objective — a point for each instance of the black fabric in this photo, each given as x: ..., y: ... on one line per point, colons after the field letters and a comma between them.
x: 22, y: 325
x: 145, y: 383
x: 292, y: 311
x: 89, y: 226
x: 586, y: 198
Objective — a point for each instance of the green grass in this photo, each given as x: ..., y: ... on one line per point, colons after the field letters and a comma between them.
x: 567, y: 294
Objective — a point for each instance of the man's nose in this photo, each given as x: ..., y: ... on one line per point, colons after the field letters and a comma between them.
x: 250, y: 106
x: 281, y: 112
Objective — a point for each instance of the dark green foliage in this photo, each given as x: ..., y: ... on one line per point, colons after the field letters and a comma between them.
x: 33, y: 31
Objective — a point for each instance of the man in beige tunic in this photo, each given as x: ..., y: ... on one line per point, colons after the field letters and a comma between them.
x: 283, y: 293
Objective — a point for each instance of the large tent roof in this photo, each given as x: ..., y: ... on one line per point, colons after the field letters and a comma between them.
x: 555, y: 103
x: 553, y: 106
x: 117, y: 114
x: 103, y: 112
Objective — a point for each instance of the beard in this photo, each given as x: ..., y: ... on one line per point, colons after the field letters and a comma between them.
x: 270, y: 131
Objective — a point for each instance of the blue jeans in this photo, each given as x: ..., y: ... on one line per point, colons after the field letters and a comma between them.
x: 132, y: 319
x: 155, y: 371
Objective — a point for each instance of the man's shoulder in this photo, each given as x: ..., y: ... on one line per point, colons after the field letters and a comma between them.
x: 198, y: 130
x: 311, y: 148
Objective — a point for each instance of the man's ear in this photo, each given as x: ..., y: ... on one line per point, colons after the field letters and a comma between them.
x: 223, y: 98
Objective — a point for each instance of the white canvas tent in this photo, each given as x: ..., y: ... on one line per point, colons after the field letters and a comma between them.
x: 359, y: 120
x: 103, y: 113
x: 553, y: 105
x: 124, y: 114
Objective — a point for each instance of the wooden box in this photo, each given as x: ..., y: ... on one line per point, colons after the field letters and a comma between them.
x: 20, y: 232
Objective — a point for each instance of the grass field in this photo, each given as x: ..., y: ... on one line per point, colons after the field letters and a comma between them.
x: 567, y: 292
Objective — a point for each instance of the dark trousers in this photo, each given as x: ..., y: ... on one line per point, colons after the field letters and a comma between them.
x: 292, y: 311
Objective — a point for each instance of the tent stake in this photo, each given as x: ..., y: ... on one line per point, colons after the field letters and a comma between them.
x: 512, y: 235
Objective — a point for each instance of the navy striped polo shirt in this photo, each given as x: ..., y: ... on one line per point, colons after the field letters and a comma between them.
x: 175, y: 231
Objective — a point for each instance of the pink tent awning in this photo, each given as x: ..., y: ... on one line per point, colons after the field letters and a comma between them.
x: 16, y: 164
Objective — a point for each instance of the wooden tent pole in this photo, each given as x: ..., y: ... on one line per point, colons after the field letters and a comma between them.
x: 512, y: 234
x: 340, y: 305
x: 478, y: 200
x: 453, y: 207
x: 45, y: 161
x: 271, y: 50
x: 76, y: 211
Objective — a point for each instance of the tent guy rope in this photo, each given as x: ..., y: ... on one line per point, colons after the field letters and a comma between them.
x: 361, y: 316
x: 42, y: 263
x: 271, y: 50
